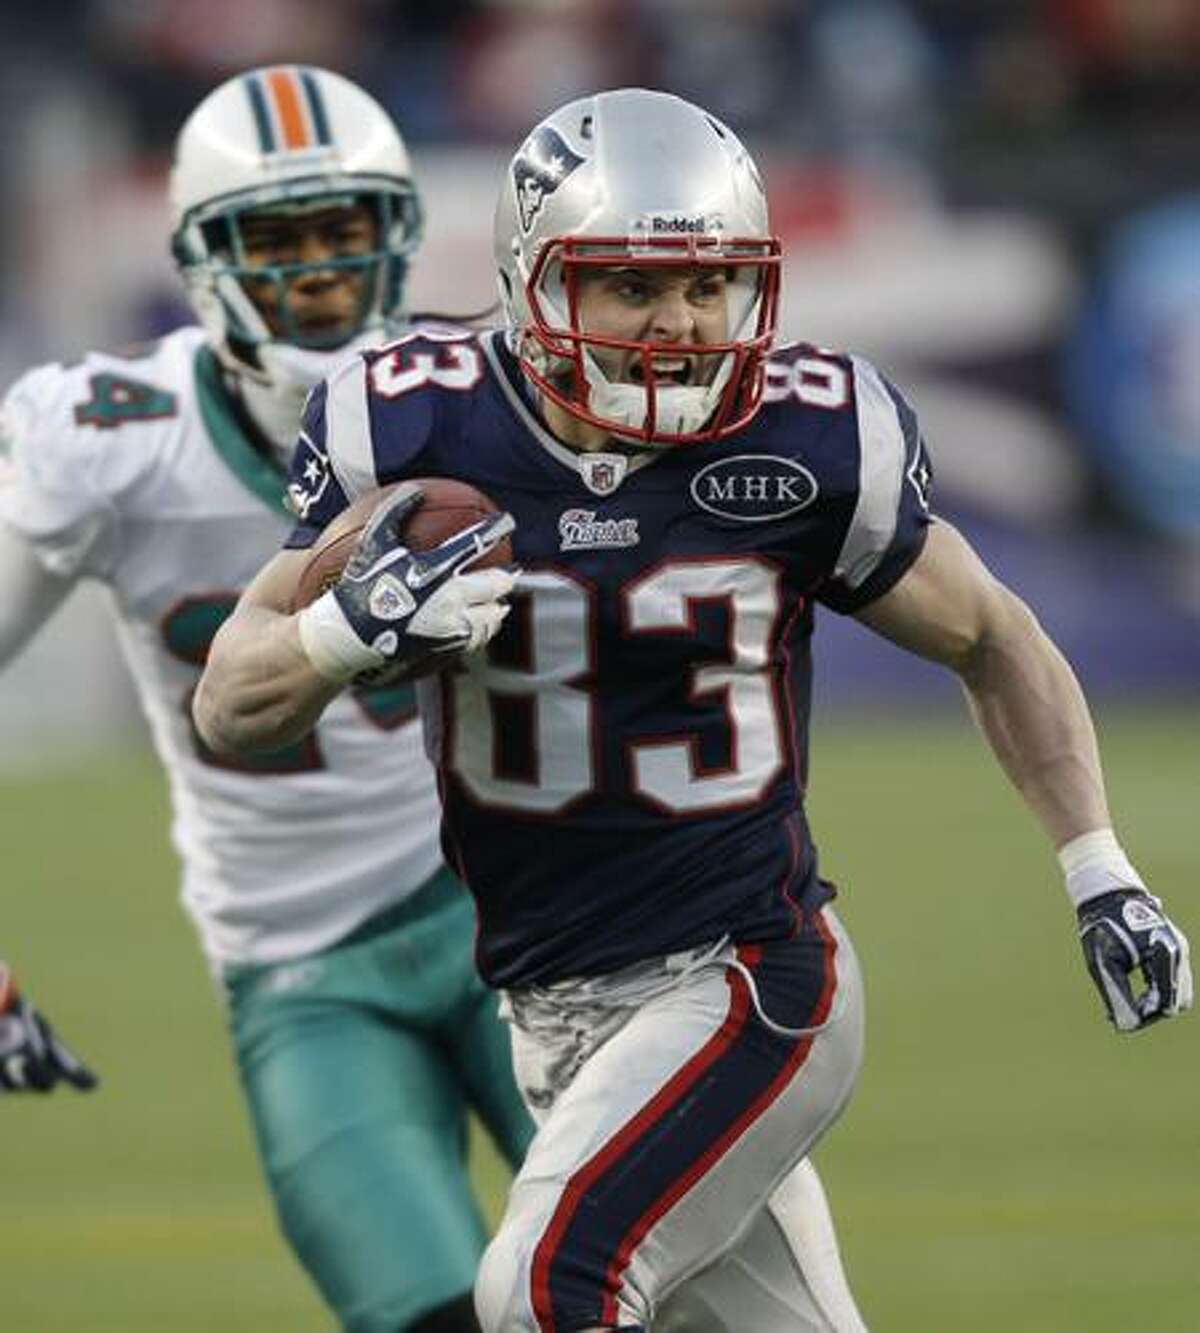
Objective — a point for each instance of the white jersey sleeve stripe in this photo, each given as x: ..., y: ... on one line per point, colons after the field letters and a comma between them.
x: 348, y: 430
x: 881, y: 461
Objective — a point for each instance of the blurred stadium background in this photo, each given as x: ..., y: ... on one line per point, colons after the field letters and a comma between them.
x: 997, y: 201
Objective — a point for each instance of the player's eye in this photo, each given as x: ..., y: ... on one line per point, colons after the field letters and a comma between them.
x: 708, y: 289
x: 345, y: 235
x: 632, y: 288
x: 268, y: 244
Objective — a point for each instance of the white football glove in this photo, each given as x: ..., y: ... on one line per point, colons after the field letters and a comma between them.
x: 396, y: 612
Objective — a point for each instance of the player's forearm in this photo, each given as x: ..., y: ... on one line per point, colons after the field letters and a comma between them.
x: 29, y: 593
x: 259, y: 689
x: 1029, y: 705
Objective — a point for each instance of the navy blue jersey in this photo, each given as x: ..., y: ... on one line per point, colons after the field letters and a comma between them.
x: 623, y: 767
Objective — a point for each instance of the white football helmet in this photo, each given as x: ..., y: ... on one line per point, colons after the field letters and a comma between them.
x: 634, y: 178
x: 287, y: 137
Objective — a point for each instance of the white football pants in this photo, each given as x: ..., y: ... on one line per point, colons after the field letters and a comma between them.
x: 674, y: 1098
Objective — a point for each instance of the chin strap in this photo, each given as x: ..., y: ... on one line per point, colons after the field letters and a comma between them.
x: 275, y: 398
x: 275, y: 410
x: 679, y: 409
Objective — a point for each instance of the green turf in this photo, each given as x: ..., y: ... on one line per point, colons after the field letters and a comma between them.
x: 1008, y: 1163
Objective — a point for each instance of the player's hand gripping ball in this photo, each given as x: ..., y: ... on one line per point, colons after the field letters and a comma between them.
x: 404, y: 580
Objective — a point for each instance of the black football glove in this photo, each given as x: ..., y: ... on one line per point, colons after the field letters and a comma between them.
x: 32, y: 1059
x: 394, y: 609
x: 1126, y: 932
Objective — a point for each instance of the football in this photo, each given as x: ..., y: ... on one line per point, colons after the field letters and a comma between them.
x: 448, y: 507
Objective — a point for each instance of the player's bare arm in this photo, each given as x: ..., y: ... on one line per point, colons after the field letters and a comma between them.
x: 1029, y: 705
x: 950, y: 609
x: 32, y: 1056
x: 29, y: 593
x: 259, y: 688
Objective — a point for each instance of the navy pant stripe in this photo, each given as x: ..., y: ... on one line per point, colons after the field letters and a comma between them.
x: 717, y: 1150
x: 615, y: 1149
x: 652, y: 1162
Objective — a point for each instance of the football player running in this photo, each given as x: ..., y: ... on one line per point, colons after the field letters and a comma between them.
x: 340, y: 941
x: 348, y: 977
x: 623, y: 765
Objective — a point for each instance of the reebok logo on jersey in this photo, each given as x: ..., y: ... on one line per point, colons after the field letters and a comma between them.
x: 581, y: 530
x: 754, y: 488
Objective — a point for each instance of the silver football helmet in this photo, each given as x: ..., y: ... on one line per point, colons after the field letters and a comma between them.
x: 287, y: 139
x: 636, y: 179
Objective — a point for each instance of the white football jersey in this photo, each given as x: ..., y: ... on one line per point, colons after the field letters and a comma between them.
x: 132, y: 469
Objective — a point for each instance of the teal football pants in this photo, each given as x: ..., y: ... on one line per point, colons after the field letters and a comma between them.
x: 360, y: 1065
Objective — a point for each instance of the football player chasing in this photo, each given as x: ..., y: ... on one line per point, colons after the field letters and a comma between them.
x: 362, y: 1033
x: 622, y: 742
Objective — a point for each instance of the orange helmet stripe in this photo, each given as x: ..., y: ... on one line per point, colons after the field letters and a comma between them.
x: 285, y: 93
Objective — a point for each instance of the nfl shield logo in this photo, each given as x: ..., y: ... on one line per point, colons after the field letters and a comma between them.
x: 602, y: 473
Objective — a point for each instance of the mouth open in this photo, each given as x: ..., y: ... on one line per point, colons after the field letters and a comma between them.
x: 680, y: 370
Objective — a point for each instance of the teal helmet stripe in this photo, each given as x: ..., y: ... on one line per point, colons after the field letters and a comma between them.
x: 316, y: 107
x: 262, y: 119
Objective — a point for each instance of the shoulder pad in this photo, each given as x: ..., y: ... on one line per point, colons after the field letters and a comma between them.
x: 417, y: 383
x: 354, y: 411
x: 811, y: 376
x: 371, y: 418
x: 892, y: 505
x: 99, y: 421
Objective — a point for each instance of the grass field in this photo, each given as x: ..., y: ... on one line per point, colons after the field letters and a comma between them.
x: 1007, y: 1164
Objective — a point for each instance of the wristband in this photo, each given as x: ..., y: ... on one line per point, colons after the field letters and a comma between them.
x: 333, y: 648
x: 1094, y: 863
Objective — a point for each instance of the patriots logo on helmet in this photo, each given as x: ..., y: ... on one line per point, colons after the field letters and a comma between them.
x: 543, y: 163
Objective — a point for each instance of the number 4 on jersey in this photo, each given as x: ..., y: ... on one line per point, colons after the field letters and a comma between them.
x: 115, y: 400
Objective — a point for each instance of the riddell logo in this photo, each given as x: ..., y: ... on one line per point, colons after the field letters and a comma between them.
x: 679, y: 225
x: 675, y: 224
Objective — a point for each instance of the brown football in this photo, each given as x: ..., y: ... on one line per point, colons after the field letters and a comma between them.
x: 448, y: 507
